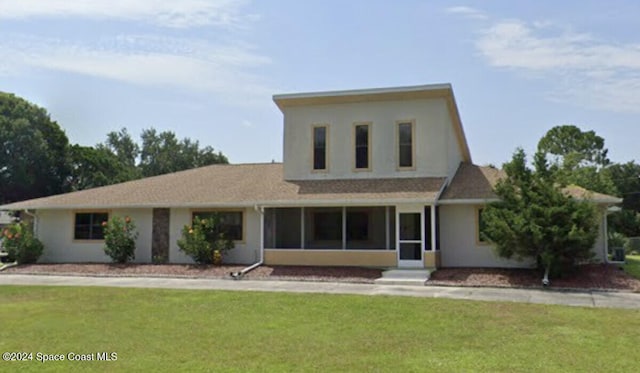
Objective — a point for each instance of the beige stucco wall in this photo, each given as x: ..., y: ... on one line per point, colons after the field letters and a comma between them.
x: 245, y: 252
x: 458, y: 247
x: 55, y: 230
x: 433, y: 138
x: 372, y: 258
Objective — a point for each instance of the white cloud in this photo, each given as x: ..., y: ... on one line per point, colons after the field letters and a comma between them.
x: 224, y: 70
x: 466, y: 12
x: 177, y: 13
x: 585, y: 70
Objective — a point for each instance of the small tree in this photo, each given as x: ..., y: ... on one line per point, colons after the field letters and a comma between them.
x: 205, y: 239
x: 535, y: 219
x: 120, y: 239
x: 21, y: 244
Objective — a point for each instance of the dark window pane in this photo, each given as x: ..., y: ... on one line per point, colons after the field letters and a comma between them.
x: 230, y: 222
x: 405, y: 145
x: 481, y: 227
x: 410, y: 251
x: 88, y: 226
x: 410, y: 226
x: 362, y: 146
x: 319, y: 148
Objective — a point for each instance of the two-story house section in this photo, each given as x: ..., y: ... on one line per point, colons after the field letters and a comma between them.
x: 374, y: 177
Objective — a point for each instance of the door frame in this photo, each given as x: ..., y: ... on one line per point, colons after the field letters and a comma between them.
x: 410, y: 209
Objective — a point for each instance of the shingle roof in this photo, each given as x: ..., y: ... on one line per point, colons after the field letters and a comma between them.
x: 239, y: 185
x: 473, y: 182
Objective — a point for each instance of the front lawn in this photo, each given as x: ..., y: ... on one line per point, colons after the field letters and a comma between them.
x: 632, y: 265
x: 174, y: 330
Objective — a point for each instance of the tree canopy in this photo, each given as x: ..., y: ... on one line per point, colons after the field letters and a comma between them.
x: 36, y: 159
x: 534, y: 219
x: 34, y: 155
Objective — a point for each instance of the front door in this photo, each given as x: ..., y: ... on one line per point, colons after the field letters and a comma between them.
x: 409, y: 228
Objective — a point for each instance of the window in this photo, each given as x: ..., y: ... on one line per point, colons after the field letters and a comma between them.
x: 362, y: 145
x: 405, y: 144
x: 319, y: 148
x: 231, y: 222
x: 88, y: 225
x: 480, y: 225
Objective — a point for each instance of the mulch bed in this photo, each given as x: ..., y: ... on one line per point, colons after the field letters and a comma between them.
x: 595, y: 276
x: 592, y: 276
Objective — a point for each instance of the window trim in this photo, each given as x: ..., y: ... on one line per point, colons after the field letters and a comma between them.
x: 412, y: 122
x: 241, y: 210
x: 355, y: 146
x: 326, y: 148
x: 479, y: 242
x: 73, y: 225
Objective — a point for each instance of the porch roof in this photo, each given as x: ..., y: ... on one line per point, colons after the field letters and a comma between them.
x: 476, y: 183
x: 238, y: 185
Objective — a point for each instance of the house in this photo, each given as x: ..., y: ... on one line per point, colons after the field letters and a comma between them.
x: 375, y: 177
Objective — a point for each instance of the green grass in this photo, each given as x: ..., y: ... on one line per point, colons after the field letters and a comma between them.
x: 174, y: 330
x: 632, y: 265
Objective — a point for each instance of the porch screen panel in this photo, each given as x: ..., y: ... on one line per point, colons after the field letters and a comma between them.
x: 288, y: 228
x: 366, y: 228
x: 323, y: 228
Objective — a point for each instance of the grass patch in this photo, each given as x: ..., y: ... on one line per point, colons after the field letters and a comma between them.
x: 176, y: 330
x: 632, y: 265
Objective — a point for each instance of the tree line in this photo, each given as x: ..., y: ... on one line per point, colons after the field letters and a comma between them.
x: 37, y: 160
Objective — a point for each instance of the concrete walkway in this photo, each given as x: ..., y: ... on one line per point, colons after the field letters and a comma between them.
x: 568, y: 298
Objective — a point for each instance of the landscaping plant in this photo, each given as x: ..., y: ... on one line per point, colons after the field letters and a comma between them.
x: 204, y: 240
x: 536, y: 219
x: 120, y: 239
x: 21, y: 244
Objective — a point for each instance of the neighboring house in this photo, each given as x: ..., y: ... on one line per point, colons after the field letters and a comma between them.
x: 379, y: 177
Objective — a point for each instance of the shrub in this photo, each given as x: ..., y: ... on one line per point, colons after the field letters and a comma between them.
x: 617, y: 240
x: 204, y: 239
x: 21, y: 244
x: 120, y: 239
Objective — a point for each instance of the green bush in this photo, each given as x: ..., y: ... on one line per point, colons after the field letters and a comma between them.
x: 204, y: 237
x: 120, y: 239
x: 21, y: 244
x: 617, y: 240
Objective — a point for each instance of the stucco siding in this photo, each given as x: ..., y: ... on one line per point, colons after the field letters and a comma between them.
x: 55, y: 230
x: 460, y: 249
x: 432, y: 124
x: 373, y: 258
x: 458, y: 246
x: 244, y: 252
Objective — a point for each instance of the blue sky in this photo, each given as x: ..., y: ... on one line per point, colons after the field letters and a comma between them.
x: 206, y: 69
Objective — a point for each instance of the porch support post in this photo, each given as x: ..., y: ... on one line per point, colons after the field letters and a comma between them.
x: 344, y: 227
x: 302, y: 228
x: 387, y: 229
x: 433, y: 227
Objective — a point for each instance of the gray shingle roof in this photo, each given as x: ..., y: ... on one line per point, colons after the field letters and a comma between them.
x: 237, y: 185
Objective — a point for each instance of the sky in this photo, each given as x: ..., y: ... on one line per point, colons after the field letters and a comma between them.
x: 207, y: 69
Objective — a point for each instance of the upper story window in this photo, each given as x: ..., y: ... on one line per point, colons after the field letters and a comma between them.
x: 88, y: 225
x: 362, y: 137
x: 406, y: 157
x: 320, y: 136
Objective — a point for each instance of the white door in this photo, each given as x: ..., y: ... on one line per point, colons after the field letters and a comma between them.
x: 410, y: 239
